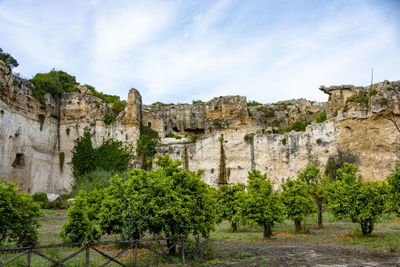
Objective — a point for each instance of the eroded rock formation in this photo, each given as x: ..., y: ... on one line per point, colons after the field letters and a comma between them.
x: 224, y: 137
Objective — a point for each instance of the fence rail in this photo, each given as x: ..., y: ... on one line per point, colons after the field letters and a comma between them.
x: 86, y: 247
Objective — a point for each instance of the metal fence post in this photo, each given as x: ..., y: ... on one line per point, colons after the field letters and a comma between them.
x: 87, y: 255
x: 183, y: 250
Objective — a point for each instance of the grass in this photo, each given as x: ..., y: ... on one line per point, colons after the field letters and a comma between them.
x: 226, y: 247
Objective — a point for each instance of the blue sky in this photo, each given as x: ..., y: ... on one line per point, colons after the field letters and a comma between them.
x: 179, y: 51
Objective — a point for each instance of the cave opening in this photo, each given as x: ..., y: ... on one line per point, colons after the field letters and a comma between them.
x: 19, y: 161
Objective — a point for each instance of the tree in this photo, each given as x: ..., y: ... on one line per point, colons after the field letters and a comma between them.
x: 170, y: 201
x: 230, y: 200
x: 83, y: 155
x: 18, y: 215
x: 54, y: 82
x: 146, y: 148
x: 8, y: 59
x: 394, y: 190
x: 350, y: 197
x: 79, y: 228
x: 262, y: 205
x: 111, y: 155
x: 337, y: 161
x: 298, y: 201
x: 315, y: 183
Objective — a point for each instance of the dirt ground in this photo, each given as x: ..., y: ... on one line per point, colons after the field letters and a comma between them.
x: 335, y: 245
x: 295, y: 253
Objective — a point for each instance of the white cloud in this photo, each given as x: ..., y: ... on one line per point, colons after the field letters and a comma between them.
x: 177, y: 51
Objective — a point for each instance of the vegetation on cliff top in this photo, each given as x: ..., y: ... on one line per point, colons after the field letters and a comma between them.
x: 8, y: 59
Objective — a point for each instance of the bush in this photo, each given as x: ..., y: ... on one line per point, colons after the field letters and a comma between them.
x: 96, y: 179
x: 146, y: 149
x: 321, y: 117
x: 54, y: 83
x: 8, y: 59
x: 337, y: 162
x: 79, y: 228
x: 300, y: 126
x: 253, y: 103
x: 18, y: 216
x: 111, y: 155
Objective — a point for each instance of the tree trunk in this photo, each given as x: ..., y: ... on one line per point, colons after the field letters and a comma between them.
x: 170, y: 242
x: 234, y: 227
x: 319, y: 204
x: 367, y: 227
x: 297, y: 225
x: 267, y: 230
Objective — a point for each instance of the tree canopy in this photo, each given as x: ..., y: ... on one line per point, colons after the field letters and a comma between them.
x: 8, y: 59
x: 262, y: 205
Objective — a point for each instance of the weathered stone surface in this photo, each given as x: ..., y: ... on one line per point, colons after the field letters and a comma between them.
x: 223, y: 137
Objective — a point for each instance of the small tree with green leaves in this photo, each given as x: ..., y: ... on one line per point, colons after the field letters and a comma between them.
x: 83, y: 155
x: 316, y: 186
x: 79, y: 228
x: 394, y: 190
x: 111, y: 155
x: 18, y: 215
x: 230, y: 200
x: 262, y: 205
x: 361, y: 202
x: 8, y: 59
x: 298, y: 201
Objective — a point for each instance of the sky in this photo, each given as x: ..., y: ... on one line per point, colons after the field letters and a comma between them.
x: 177, y: 51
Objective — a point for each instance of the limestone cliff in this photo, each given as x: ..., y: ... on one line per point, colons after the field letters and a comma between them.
x: 224, y: 137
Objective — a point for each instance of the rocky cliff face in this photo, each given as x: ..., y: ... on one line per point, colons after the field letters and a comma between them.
x: 224, y: 137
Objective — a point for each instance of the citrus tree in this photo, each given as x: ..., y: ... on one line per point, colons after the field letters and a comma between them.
x: 361, y: 202
x: 230, y: 199
x: 394, y: 190
x: 298, y: 201
x: 316, y: 186
x: 18, y: 215
x: 262, y: 205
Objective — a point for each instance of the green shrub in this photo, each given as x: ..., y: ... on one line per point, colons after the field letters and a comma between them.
x: 197, y: 102
x: 39, y: 197
x: 95, y: 179
x: 253, y: 103
x: 337, y: 161
x: 8, y: 59
x: 146, y: 146
x: 18, y: 215
x: 111, y: 155
x: 300, y: 126
x: 321, y: 117
x: 373, y: 92
x: 79, y: 228
x: 362, y: 98
x: 394, y: 190
x: 108, y: 119
x: 54, y: 83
